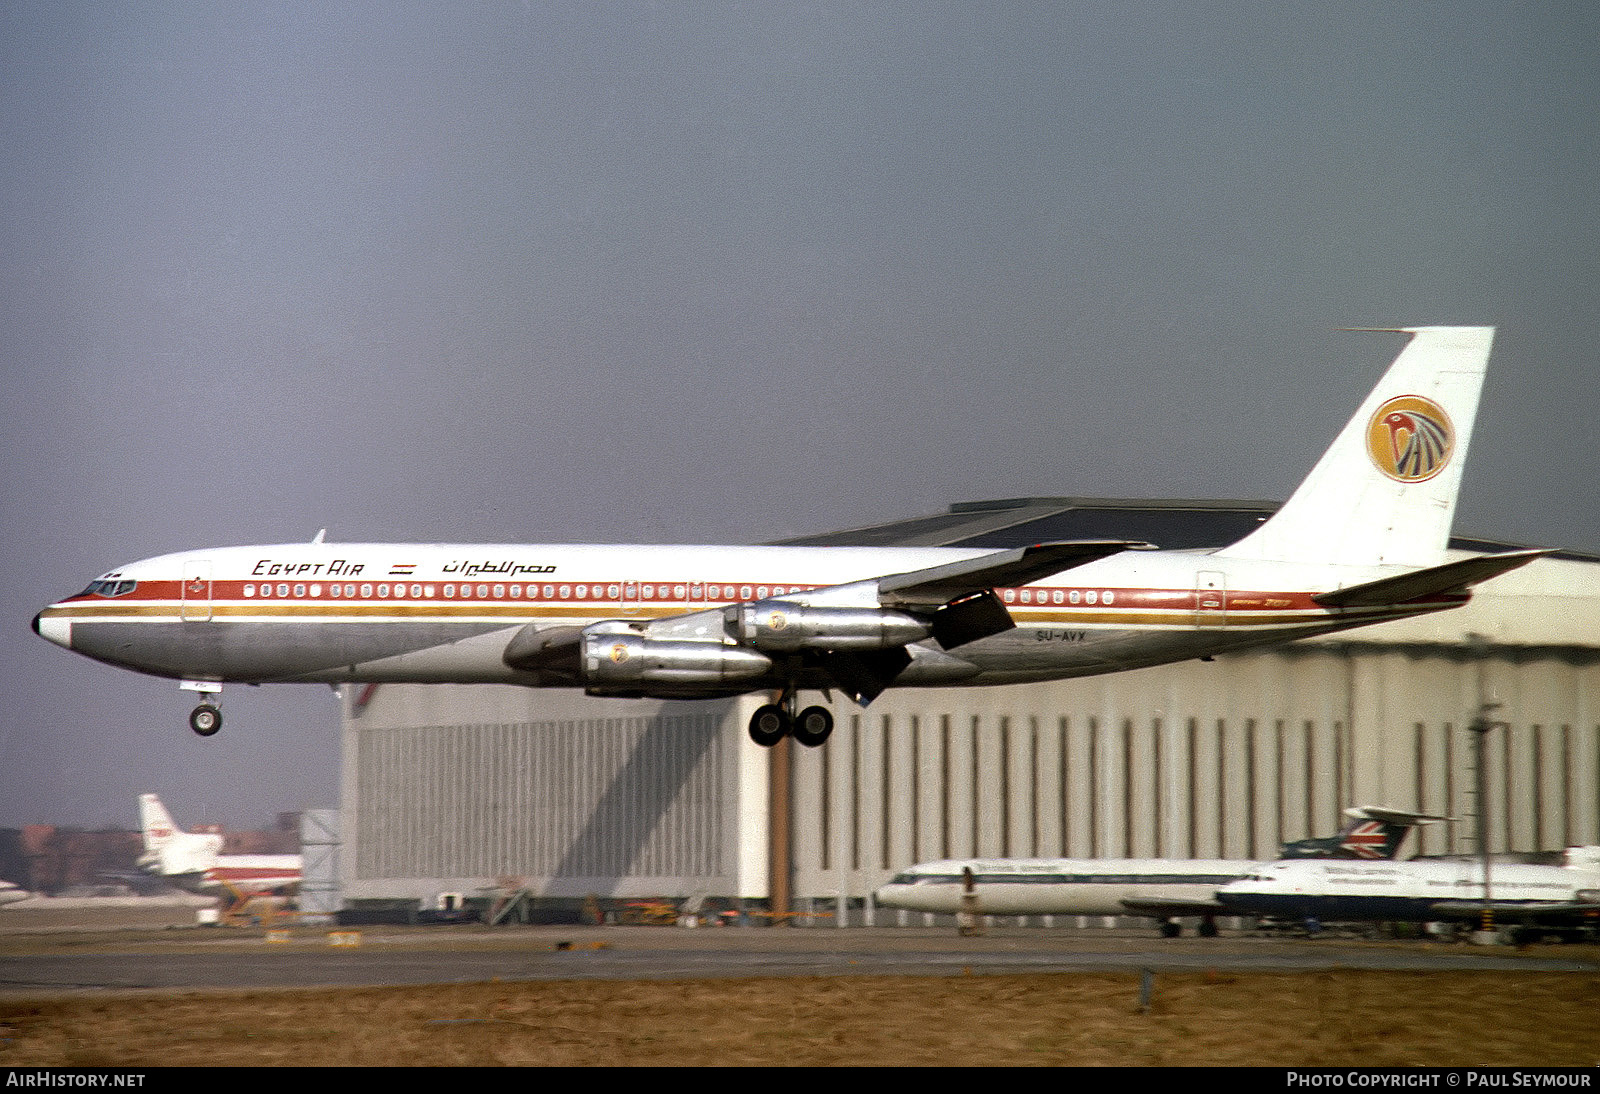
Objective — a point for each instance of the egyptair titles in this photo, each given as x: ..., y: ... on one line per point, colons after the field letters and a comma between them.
x: 506, y: 568
x: 339, y: 567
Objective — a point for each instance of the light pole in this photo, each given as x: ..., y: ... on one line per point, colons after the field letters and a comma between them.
x: 1480, y: 728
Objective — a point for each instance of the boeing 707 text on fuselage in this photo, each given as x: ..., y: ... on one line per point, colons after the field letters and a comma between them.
x: 1361, y: 541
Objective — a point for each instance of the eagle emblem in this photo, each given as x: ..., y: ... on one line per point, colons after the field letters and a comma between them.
x: 1410, y: 438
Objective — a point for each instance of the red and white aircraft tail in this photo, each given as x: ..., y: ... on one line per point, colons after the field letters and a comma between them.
x: 194, y: 860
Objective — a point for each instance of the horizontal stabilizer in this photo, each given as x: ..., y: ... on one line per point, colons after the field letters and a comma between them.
x: 1392, y: 816
x: 1428, y: 582
x: 939, y: 585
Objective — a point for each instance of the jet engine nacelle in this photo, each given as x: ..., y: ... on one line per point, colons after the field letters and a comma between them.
x: 784, y: 626
x: 620, y: 657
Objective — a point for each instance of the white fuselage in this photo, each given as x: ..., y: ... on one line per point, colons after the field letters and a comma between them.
x: 336, y: 613
x: 1362, y: 540
x: 1415, y: 891
x: 246, y: 874
x: 1060, y: 886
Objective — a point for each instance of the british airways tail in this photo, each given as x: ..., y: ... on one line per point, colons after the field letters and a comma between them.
x: 1384, y: 493
x: 1370, y: 832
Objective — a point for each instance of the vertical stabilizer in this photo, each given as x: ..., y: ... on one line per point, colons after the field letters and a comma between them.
x: 156, y: 824
x: 168, y: 850
x: 1369, y: 832
x: 1385, y: 492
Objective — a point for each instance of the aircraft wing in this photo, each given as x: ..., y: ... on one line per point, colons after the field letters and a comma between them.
x: 939, y: 585
x: 1160, y: 907
x: 956, y: 600
x: 960, y: 595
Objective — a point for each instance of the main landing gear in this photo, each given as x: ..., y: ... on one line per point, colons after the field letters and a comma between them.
x: 775, y: 721
x: 206, y: 718
x: 1171, y: 928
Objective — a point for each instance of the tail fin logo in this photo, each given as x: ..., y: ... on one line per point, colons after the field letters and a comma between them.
x: 1366, y: 840
x: 1410, y: 438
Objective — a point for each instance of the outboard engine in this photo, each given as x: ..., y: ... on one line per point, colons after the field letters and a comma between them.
x: 616, y: 656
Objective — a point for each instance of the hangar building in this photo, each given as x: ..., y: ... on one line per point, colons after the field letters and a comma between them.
x: 465, y: 789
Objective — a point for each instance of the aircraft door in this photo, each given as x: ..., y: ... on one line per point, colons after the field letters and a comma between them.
x: 1210, y: 598
x: 195, y: 594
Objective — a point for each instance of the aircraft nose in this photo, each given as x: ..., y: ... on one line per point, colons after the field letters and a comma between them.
x: 53, y: 628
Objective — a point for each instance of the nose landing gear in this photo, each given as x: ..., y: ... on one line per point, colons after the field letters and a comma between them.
x: 206, y: 718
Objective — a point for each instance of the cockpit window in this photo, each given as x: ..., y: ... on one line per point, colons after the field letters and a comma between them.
x: 914, y: 878
x: 110, y: 587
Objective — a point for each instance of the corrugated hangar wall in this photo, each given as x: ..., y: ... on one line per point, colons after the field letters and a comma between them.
x: 1226, y: 760
x: 451, y: 789
x: 456, y: 789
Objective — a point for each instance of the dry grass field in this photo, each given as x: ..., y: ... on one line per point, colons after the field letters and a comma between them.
x: 1336, y: 1018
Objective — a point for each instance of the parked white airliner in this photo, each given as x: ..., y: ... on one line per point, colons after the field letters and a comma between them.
x: 1363, y: 540
x: 1153, y: 888
x: 1561, y: 898
x: 194, y: 860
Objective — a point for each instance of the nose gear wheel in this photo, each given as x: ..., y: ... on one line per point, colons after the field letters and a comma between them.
x: 205, y: 719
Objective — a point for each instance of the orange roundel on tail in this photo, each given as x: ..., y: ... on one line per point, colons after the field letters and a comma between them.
x: 1410, y: 438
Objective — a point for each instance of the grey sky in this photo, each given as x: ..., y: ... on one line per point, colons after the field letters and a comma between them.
x: 728, y: 272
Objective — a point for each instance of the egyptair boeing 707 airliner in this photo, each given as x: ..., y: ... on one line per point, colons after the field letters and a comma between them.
x: 1361, y: 541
